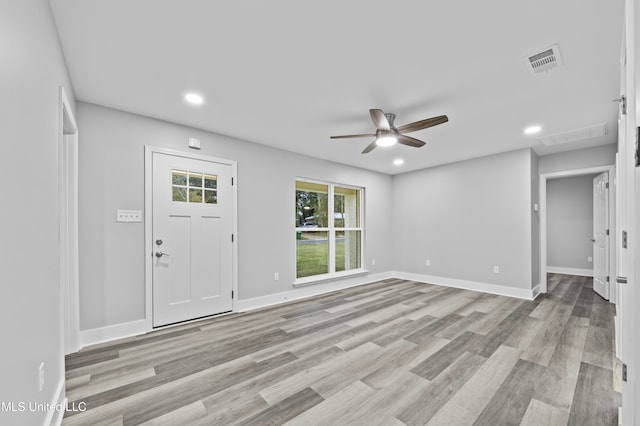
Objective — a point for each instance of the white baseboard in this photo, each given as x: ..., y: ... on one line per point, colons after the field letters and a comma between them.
x: 54, y: 417
x: 308, y: 291
x: 135, y: 328
x: 536, y: 291
x: 520, y: 293
x: 113, y: 332
x: 570, y: 271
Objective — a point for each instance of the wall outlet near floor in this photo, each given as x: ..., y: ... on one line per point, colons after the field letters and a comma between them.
x: 276, y: 276
x: 41, y: 377
x: 589, y: 259
x: 496, y: 269
x: 427, y: 262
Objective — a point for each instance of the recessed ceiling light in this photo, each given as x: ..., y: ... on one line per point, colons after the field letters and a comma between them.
x: 398, y: 162
x: 531, y: 130
x: 194, y: 98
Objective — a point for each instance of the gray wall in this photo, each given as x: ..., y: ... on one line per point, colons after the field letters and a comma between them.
x: 32, y: 70
x: 570, y: 222
x: 604, y: 155
x: 467, y: 217
x: 112, y: 177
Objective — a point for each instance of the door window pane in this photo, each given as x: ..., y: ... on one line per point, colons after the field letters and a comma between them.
x: 312, y: 253
x: 194, y: 187
x: 210, y: 182
x: 195, y: 195
x: 179, y: 177
x: 195, y: 180
x: 210, y: 197
x: 179, y: 194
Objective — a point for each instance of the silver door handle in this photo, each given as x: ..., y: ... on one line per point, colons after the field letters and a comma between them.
x: 160, y: 254
x: 621, y: 280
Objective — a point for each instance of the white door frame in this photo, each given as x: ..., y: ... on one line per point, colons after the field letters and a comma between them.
x: 543, y: 220
x: 148, y: 218
x: 68, y: 224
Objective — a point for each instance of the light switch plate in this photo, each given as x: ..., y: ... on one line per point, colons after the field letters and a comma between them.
x: 129, y: 216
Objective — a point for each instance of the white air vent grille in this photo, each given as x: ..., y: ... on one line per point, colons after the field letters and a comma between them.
x: 544, y: 60
x: 574, y: 135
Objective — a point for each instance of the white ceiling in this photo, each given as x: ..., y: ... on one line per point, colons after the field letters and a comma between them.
x: 290, y: 73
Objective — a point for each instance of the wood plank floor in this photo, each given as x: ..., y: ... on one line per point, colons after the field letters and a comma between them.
x: 390, y: 353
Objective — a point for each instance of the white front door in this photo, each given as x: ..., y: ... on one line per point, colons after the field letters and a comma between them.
x: 601, y: 235
x: 192, y: 238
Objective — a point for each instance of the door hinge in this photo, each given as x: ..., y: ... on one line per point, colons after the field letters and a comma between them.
x: 231, y: 181
x: 624, y: 239
x: 638, y: 146
x: 623, y: 103
x: 606, y: 185
x: 231, y: 237
x: 232, y: 294
x: 607, y: 278
x: 624, y: 372
x: 607, y: 232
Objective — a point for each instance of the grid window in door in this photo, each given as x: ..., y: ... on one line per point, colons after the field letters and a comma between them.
x: 194, y: 187
x: 328, y: 228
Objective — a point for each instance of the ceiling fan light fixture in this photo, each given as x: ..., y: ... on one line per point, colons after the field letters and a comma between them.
x: 386, y: 140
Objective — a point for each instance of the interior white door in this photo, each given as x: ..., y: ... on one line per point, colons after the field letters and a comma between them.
x: 601, y: 235
x: 192, y: 238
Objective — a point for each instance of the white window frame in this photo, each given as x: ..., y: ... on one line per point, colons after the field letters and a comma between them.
x: 331, y: 231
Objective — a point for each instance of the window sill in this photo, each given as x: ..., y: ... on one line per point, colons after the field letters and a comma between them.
x: 318, y: 279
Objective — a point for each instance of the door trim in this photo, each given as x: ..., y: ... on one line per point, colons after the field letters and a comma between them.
x: 543, y: 219
x: 148, y: 219
x: 68, y: 224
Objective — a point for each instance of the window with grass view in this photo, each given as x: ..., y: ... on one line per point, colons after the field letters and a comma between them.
x: 328, y: 228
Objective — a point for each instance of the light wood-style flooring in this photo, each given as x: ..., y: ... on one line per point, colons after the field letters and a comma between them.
x: 390, y: 353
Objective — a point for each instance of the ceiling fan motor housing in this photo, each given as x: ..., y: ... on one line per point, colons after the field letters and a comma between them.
x: 390, y: 118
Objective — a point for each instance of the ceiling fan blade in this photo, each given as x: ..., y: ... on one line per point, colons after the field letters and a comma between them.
x: 409, y: 141
x: 369, y: 147
x: 352, y: 136
x: 379, y: 119
x: 423, y: 124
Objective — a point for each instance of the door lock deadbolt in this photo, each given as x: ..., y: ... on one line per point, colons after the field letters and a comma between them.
x: 159, y: 242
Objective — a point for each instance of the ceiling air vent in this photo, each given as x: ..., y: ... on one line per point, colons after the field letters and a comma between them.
x: 574, y: 135
x: 544, y: 60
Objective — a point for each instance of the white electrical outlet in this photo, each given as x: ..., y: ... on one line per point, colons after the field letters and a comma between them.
x: 589, y: 259
x: 373, y: 262
x: 427, y: 262
x: 41, y: 377
x: 276, y: 276
x: 496, y: 269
